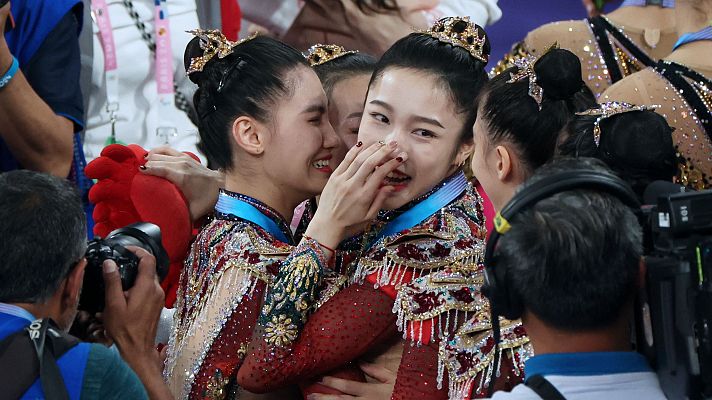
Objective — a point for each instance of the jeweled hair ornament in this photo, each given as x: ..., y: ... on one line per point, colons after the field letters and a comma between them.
x: 609, y: 109
x: 212, y: 42
x: 526, y: 71
x: 323, y: 53
x: 460, y: 32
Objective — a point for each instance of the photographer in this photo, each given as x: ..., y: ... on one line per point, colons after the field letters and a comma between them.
x: 570, y: 266
x: 41, y: 274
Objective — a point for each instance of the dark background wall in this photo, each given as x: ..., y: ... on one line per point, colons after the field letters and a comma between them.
x: 522, y: 16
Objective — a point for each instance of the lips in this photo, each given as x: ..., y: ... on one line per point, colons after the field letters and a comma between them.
x: 397, y: 179
x: 322, y: 165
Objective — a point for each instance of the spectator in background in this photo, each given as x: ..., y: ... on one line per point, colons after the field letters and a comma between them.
x: 41, y: 103
x: 41, y: 276
x: 571, y: 264
x: 371, y: 26
x: 140, y: 111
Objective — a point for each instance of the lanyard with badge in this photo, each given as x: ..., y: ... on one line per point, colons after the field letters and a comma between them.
x: 164, y: 68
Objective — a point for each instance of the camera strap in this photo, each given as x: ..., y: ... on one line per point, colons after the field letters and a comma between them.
x: 543, y: 388
x: 23, y: 361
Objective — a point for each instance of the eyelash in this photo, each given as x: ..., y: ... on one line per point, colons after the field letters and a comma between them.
x: 376, y: 116
x: 426, y: 133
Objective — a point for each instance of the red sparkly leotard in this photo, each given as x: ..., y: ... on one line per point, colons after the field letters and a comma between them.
x: 230, y: 266
x: 423, y: 282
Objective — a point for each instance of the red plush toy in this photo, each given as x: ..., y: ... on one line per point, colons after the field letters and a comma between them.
x: 123, y: 196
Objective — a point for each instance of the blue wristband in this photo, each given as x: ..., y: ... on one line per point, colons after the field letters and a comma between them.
x: 10, y: 73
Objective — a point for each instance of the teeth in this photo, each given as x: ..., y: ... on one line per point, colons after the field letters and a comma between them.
x: 320, y: 164
x: 393, y: 175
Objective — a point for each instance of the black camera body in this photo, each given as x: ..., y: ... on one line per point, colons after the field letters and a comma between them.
x: 675, y: 314
x: 144, y: 235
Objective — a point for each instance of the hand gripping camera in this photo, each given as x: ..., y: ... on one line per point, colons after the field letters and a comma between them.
x: 144, y: 235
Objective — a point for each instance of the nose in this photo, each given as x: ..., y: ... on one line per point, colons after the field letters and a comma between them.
x: 330, y: 138
x: 398, y: 135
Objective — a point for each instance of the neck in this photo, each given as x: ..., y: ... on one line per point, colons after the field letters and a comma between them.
x: 690, y: 18
x: 263, y: 190
x: 546, y: 339
x: 39, y: 311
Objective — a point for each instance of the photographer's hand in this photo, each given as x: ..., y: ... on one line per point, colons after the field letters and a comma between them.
x: 131, y: 320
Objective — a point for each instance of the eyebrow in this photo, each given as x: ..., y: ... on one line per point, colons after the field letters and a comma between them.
x: 355, y: 115
x: 317, y: 107
x: 416, y: 118
x: 430, y: 121
x: 382, y: 104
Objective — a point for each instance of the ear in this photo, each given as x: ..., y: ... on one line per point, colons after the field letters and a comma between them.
x: 504, y: 163
x: 464, y: 152
x: 249, y: 134
x: 73, y: 284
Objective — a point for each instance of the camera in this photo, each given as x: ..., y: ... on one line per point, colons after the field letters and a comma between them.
x: 144, y: 235
x: 674, y: 319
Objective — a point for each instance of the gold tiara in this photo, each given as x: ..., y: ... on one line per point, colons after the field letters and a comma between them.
x: 323, y: 53
x: 609, y: 109
x: 460, y: 32
x: 212, y: 42
x: 526, y: 71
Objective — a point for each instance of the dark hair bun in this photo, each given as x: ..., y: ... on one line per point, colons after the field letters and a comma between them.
x: 558, y: 72
x: 193, y: 50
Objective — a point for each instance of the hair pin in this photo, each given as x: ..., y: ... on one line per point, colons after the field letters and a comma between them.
x: 460, y: 32
x: 323, y: 53
x: 526, y: 71
x: 213, y: 43
x: 608, y: 110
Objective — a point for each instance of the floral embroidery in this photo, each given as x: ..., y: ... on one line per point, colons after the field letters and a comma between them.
x: 280, y: 331
x: 216, y: 388
x: 294, y: 292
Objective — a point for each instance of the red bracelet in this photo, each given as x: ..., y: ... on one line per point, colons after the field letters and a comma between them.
x: 319, y: 243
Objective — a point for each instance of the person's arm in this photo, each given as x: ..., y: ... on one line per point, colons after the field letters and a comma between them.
x: 108, y: 377
x: 339, y: 332
x: 37, y: 136
x: 131, y: 320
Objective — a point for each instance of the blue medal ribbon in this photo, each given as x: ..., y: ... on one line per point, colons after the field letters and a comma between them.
x: 229, y: 205
x: 702, y: 34
x: 423, y: 210
x: 643, y: 3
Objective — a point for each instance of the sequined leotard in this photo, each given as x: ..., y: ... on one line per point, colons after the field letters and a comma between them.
x: 608, y: 52
x: 230, y: 267
x: 421, y: 284
x: 686, y: 104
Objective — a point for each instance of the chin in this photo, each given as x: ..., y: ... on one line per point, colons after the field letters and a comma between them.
x: 396, y: 200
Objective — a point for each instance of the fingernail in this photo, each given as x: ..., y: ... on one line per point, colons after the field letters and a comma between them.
x: 359, y: 144
x: 143, y: 167
x: 109, y: 267
x: 393, y: 144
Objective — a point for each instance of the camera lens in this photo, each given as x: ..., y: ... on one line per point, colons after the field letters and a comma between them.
x: 114, y: 247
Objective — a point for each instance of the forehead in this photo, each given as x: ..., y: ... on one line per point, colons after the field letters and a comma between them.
x: 303, y: 87
x: 350, y: 90
x: 414, y: 92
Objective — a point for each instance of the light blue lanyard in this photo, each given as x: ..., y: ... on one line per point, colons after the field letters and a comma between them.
x: 229, y: 205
